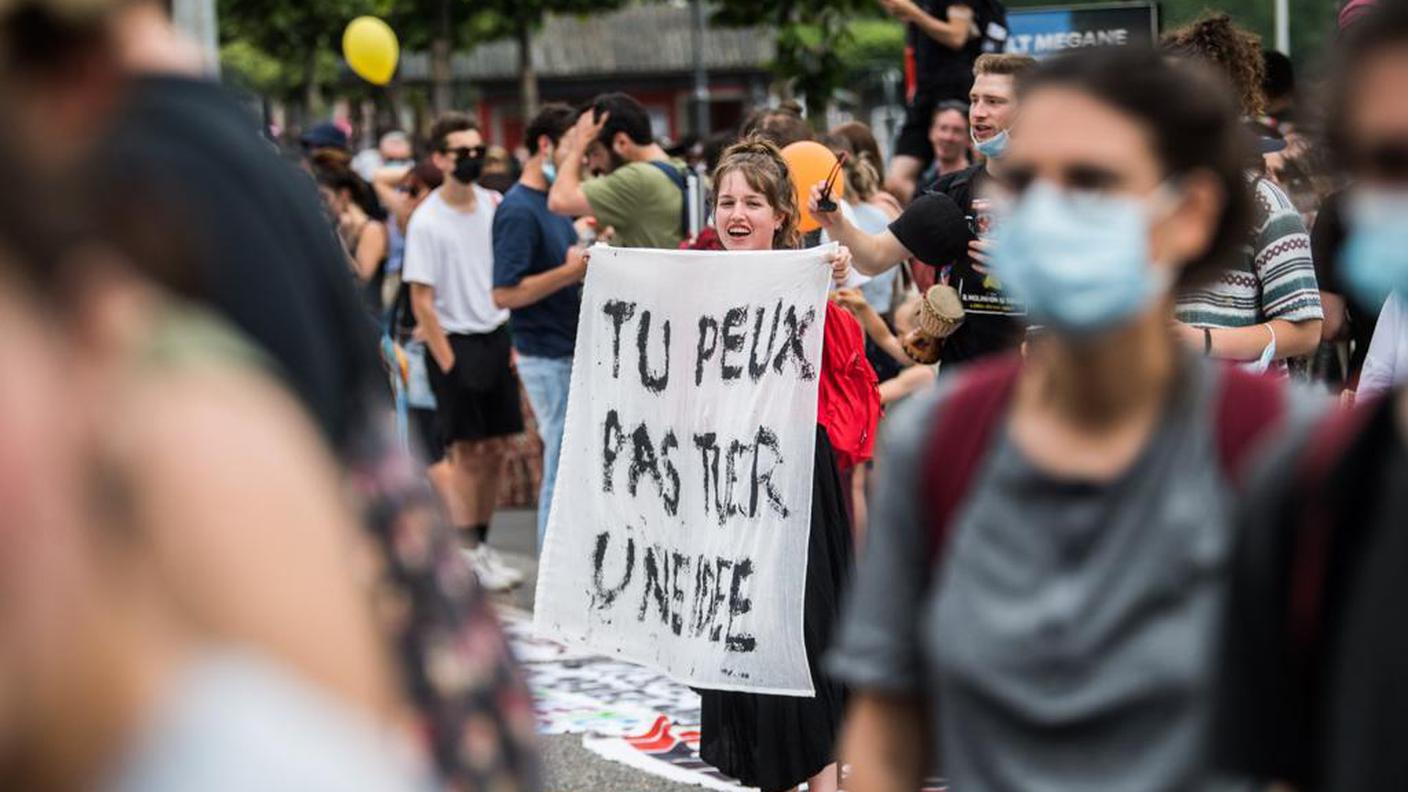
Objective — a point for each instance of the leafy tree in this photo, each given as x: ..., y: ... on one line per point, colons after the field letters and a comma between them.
x: 446, y: 25
x: 302, y: 39
x: 518, y: 19
x: 812, y: 37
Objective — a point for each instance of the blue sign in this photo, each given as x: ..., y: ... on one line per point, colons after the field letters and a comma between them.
x: 1050, y: 29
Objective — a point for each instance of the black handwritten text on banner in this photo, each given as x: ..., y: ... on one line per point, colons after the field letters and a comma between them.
x: 678, y: 532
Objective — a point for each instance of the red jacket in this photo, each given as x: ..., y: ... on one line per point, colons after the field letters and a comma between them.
x: 848, y: 396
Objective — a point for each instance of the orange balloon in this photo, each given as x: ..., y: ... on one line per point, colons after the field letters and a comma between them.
x: 810, y: 163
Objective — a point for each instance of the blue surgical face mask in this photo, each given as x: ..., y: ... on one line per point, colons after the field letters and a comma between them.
x: 992, y: 148
x: 1078, y: 260
x: 1375, y: 255
x: 550, y: 172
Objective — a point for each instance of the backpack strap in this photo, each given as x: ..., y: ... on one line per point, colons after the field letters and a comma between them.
x: 1304, y: 583
x: 1310, y: 549
x: 671, y: 171
x: 681, y: 181
x: 1248, y: 405
x: 962, y: 432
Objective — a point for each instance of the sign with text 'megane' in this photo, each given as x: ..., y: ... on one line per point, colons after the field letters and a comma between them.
x: 678, y: 532
x: 1050, y: 29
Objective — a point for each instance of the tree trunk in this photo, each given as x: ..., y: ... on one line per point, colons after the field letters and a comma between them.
x: 440, y: 51
x: 527, y: 74
x: 312, y: 96
x: 817, y: 105
x: 388, y: 106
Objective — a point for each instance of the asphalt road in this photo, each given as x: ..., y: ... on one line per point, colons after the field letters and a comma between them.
x: 567, y: 766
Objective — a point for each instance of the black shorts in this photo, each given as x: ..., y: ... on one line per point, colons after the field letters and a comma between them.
x: 913, y: 140
x: 427, y: 441
x: 478, y: 398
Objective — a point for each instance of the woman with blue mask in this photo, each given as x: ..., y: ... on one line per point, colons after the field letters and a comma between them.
x: 1041, y: 585
x: 1313, y: 693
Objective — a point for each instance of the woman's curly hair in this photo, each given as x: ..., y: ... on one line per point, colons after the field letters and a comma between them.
x: 1236, y: 52
x: 763, y: 168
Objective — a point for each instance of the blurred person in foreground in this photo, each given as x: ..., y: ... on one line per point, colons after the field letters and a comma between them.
x: 1266, y: 307
x: 1039, y: 598
x: 950, y: 229
x: 192, y: 194
x: 1316, y: 656
x: 779, y: 742
x: 174, y: 616
x: 450, y: 268
x: 1345, y: 322
x: 114, y: 76
x: 640, y: 192
x: 538, y: 271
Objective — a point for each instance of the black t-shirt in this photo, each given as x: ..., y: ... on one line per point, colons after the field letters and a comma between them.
x: 244, y: 234
x: 1338, y: 727
x: 937, y: 228
x: 940, y: 72
x: 1326, y: 238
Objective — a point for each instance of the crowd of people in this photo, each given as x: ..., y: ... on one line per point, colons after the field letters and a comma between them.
x: 1134, y: 316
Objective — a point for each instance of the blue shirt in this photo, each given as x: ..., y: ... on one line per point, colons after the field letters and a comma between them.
x: 528, y: 239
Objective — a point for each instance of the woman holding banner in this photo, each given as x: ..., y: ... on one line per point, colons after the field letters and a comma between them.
x: 777, y: 742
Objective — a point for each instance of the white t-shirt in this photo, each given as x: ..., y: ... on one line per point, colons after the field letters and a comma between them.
x: 453, y: 252
x: 1386, y: 365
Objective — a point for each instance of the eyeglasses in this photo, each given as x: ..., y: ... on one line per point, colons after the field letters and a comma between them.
x: 826, y: 204
x: 473, y: 152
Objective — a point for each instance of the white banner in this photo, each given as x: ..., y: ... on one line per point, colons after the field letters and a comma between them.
x: 679, y: 526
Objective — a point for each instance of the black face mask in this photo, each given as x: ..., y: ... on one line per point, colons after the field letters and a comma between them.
x: 467, y: 169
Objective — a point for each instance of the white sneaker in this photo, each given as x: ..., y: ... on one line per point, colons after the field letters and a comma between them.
x: 489, y: 577
x: 500, y: 566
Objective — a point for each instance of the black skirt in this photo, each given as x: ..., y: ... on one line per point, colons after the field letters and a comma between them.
x: 778, y: 742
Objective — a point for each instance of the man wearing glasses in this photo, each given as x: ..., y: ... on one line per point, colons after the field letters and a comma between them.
x: 450, y: 266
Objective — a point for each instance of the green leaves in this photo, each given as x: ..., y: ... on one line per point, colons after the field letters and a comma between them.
x: 820, y: 43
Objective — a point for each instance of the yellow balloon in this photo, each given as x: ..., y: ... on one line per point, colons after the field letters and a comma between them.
x: 370, y: 47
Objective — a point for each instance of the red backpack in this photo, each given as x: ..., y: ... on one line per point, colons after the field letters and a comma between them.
x: 1247, y: 406
x: 848, y: 395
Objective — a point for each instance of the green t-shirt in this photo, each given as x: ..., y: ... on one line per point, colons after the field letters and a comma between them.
x: 640, y: 202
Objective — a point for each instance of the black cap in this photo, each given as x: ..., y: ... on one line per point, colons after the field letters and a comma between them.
x: 324, y: 134
x: 1266, y: 144
x: 934, y: 229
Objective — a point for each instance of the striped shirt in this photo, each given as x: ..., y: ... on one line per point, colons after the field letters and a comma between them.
x: 1275, y: 279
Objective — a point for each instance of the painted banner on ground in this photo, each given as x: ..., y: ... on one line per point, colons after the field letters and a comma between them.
x: 678, y: 532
